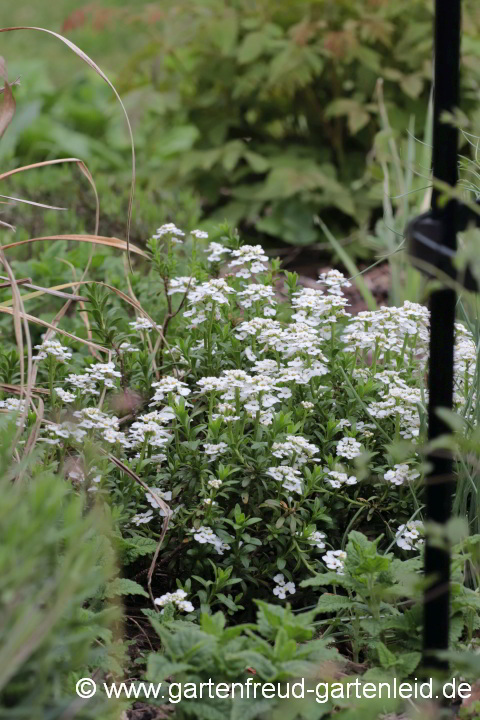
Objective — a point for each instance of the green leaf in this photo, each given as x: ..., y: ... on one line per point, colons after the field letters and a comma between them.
x: 252, y: 47
x: 124, y: 586
x: 412, y: 85
x: 386, y: 657
x: 159, y: 668
x: 332, y: 603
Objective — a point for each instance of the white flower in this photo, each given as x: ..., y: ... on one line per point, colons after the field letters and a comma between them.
x: 313, y: 307
x: 84, y: 383
x: 215, y: 449
x: 349, y: 448
x: 161, y: 494
x: 167, y: 385
x: 307, y: 405
x: 141, y: 323
x: 168, y: 229
x: 334, y: 280
x: 176, y: 598
x: 283, y: 587
x: 54, y: 348
x: 258, y: 293
x: 295, y: 446
x: 64, y: 395
x: 181, y: 285
x: 289, y: 477
x: 214, y: 483
x: 105, y: 372
x: 205, y: 535
x: 337, y: 479
x: 203, y: 296
x: 216, y: 251
x: 252, y: 257
x: 335, y: 560
x: 13, y: 404
x: 315, y: 538
x: 128, y: 347
x: 400, y: 474
x: 200, y: 234
x: 142, y: 518
x: 410, y: 536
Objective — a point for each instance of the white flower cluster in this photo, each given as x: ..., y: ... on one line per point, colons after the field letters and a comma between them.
x: 335, y: 560
x: 215, y: 449
x: 104, y: 372
x: 85, y: 383
x: 290, y: 478
x: 54, y: 348
x: 216, y: 251
x: 109, y: 425
x: 396, y: 331
x: 149, y: 428
x: 258, y: 293
x: 205, y: 534
x: 202, y: 297
x: 314, y: 308
x: 256, y: 393
x: 334, y: 280
x: 176, y: 598
x: 215, y: 483
x: 64, y: 395
x: 337, y: 479
x: 348, y: 448
x: 167, y: 385
x: 169, y: 229
x: 142, y: 518
x: 252, y: 258
x: 65, y: 430
x: 398, y: 399
x: 181, y: 284
x: 141, y: 323
x: 316, y: 538
x: 13, y: 404
x: 400, y: 474
x: 296, y: 450
x: 282, y: 587
x: 411, y: 535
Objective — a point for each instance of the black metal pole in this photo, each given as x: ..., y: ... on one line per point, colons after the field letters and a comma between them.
x: 439, y: 483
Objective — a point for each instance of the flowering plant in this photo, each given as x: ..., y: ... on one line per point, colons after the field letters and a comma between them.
x: 247, y: 429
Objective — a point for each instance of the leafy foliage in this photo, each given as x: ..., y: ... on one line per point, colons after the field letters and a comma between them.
x: 55, y: 561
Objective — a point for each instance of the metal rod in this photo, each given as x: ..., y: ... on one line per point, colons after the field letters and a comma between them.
x: 439, y: 483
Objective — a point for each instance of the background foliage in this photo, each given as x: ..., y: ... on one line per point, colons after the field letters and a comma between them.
x: 263, y: 113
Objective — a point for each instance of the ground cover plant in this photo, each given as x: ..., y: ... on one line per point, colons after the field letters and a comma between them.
x: 255, y: 454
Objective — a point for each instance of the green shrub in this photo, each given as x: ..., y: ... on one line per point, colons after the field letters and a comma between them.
x: 269, y: 109
x: 55, y: 563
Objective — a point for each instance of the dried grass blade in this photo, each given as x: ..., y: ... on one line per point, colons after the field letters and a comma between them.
x: 31, y: 202
x: 100, y: 72
x: 44, y: 323
x: 55, y: 290
x: 161, y: 503
x: 95, y: 239
x: 33, y: 166
x: 7, y: 225
x: 18, y: 390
